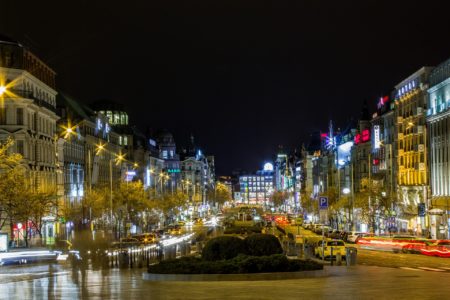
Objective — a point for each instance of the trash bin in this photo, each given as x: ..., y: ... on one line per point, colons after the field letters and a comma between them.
x: 350, y: 256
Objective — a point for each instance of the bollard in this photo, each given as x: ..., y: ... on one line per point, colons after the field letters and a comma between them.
x: 338, y: 258
x: 300, y: 251
x: 331, y: 256
x: 350, y: 257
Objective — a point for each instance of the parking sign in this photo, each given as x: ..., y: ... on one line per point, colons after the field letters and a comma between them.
x: 323, y: 202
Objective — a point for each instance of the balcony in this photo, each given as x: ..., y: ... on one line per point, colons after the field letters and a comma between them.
x: 38, y: 102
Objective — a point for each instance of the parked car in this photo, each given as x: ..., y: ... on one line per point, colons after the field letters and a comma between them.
x: 330, y: 248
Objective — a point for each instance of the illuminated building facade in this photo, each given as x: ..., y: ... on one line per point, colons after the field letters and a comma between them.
x: 84, y: 166
x: 172, y: 166
x: 438, y: 119
x: 411, y: 147
x: 28, y: 111
x: 382, y: 152
x: 28, y: 115
x: 257, y: 188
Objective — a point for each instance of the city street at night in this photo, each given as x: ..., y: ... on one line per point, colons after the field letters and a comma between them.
x: 224, y: 149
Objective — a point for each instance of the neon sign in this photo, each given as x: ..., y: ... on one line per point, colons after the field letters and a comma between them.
x: 382, y: 101
x: 365, y: 135
x: 376, y: 139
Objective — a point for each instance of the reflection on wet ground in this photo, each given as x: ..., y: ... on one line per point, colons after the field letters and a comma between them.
x: 361, y: 282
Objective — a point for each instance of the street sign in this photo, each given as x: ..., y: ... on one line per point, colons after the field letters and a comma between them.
x: 323, y: 202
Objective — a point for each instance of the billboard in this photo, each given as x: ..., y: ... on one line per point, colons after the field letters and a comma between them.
x: 344, y: 154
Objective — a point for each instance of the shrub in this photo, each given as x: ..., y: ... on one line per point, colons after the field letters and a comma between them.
x: 223, y: 247
x: 240, y: 230
x: 263, y: 245
x: 238, y: 265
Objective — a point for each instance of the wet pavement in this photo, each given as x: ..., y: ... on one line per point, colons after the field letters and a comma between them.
x: 361, y: 282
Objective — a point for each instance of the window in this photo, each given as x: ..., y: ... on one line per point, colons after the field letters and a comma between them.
x: 2, y: 115
x: 120, y: 140
x: 164, y: 154
x: 19, y: 116
x: 125, y: 140
x: 19, y: 145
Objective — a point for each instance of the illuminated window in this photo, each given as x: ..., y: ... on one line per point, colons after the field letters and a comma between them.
x: 164, y: 154
x: 125, y: 140
x: 120, y: 140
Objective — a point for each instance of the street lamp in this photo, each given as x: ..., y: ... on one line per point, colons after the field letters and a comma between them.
x: 2, y: 90
x: 118, y: 159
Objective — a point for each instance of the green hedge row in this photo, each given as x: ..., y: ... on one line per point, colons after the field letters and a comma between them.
x: 227, y: 247
x: 242, y: 230
x: 238, y: 265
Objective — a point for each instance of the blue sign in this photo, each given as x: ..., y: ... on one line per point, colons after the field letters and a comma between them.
x: 323, y: 202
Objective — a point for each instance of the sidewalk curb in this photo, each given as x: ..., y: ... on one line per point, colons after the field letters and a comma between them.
x: 236, y: 277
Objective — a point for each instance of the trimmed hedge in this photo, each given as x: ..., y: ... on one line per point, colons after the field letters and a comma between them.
x: 223, y: 247
x: 262, y: 245
x: 240, y: 230
x: 238, y: 265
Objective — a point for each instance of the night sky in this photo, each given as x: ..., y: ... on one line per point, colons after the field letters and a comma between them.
x: 242, y: 76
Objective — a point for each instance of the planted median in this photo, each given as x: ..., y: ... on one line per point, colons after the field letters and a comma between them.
x: 258, y: 253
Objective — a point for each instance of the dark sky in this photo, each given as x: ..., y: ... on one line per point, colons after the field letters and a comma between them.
x: 243, y: 76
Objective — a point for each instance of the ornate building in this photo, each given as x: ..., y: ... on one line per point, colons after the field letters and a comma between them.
x: 438, y: 119
x: 410, y: 147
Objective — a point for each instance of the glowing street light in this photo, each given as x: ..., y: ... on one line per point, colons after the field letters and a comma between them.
x: 346, y: 191
x: 2, y: 90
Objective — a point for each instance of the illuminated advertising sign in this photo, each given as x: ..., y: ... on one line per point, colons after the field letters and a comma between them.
x: 365, y: 137
x: 376, y: 137
x: 130, y: 175
x: 268, y: 167
x: 3, y: 242
x: 344, y: 153
x: 173, y: 170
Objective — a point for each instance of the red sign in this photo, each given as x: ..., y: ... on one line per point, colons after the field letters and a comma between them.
x: 357, y: 139
x: 365, y: 135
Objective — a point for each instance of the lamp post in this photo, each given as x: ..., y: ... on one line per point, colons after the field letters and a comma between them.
x: 118, y: 159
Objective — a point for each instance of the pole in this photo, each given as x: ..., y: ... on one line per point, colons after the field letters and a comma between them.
x: 110, y: 192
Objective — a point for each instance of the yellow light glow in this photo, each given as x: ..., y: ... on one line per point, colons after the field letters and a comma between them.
x: 6, y: 88
x: 119, y: 158
x: 68, y: 130
x: 99, y: 148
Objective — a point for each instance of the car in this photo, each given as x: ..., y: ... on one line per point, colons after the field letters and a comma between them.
x: 129, y: 241
x: 173, y: 230
x: 330, y: 248
x: 353, y: 236
x: 161, y: 234
x: 198, y: 221
x: 146, y: 238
